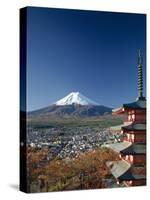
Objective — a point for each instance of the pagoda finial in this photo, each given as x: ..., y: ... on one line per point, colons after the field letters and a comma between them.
x: 140, y: 59
x: 140, y: 76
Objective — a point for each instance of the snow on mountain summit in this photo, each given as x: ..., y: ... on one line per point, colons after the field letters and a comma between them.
x: 75, y: 98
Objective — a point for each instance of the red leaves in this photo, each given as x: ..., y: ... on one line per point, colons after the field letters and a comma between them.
x: 85, y: 172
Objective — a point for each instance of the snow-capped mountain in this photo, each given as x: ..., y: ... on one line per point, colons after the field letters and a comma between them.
x: 73, y: 105
x: 75, y: 98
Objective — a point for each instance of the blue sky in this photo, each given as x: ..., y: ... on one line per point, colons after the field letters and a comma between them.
x: 92, y: 52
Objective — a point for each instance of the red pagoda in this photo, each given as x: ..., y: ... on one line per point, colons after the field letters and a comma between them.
x: 130, y: 170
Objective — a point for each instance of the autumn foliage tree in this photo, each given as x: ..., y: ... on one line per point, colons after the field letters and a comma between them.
x: 83, y: 172
x: 35, y: 157
x: 91, y: 167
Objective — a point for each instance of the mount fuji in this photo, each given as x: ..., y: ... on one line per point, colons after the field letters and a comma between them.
x: 73, y: 105
x: 75, y: 98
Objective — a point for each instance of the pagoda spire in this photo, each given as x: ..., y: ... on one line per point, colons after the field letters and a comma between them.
x: 140, y: 76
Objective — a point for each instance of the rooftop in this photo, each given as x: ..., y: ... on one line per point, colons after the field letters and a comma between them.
x: 127, y: 147
x: 118, y: 168
x: 116, y: 128
x: 119, y: 146
x: 135, y: 126
x: 121, y: 170
x: 139, y: 104
x: 129, y: 126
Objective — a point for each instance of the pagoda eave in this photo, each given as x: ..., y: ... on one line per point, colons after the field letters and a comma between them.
x: 118, y: 111
x: 129, y: 177
x: 118, y: 168
x: 121, y: 170
x: 116, y: 128
x: 134, y: 149
x: 137, y: 105
x: 119, y: 127
x: 119, y: 146
x: 126, y: 148
x: 134, y: 127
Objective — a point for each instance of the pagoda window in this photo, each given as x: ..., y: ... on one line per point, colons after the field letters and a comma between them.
x: 133, y: 111
x: 129, y: 117
x: 128, y: 137
x: 127, y: 157
x: 118, y: 182
x: 133, y: 117
x: 131, y: 158
x: 130, y: 182
x: 132, y: 137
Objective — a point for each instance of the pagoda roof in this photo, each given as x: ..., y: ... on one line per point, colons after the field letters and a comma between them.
x: 131, y: 176
x: 119, y: 146
x: 119, y: 127
x: 135, y: 126
x: 134, y: 149
x: 118, y: 168
x: 116, y: 128
x: 121, y: 170
x: 129, y: 126
x: 119, y: 110
x: 138, y: 104
x: 127, y: 148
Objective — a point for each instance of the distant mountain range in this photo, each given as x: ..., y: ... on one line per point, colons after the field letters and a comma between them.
x: 73, y: 105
